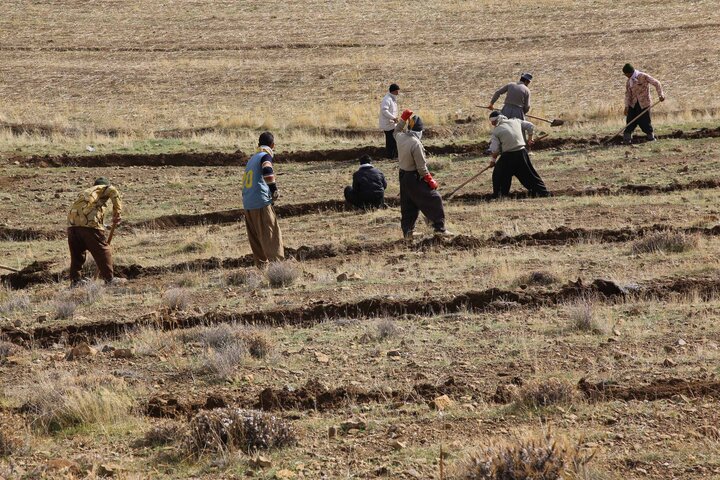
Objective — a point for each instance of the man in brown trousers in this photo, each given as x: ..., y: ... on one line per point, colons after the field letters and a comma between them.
x: 259, y: 194
x: 86, y: 230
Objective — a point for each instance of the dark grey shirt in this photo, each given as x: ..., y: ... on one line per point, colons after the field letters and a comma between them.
x: 518, y: 95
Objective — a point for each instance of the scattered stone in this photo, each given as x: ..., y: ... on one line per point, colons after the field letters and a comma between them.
x: 108, y: 470
x: 442, y: 402
x: 17, y: 323
x: 261, y: 461
x: 321, y: 357
x: 63, y: 465
x: 81, y: 350
x: 397, y: 445
x: 393, y: 353
x: 669, y: 363
x: 107, y: 349
x: 353, y: 424
x: 681, y: 342
x: 123, y: 353
x: 349, y: 277
x: 616, y: 332
x: 285, y: 474
x: 332, y: 431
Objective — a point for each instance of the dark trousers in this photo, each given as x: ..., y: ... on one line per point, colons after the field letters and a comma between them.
x: 517, y: 164
x: 415, y: 197
x: 82, y: 240
x: 644, y: 122
x: 390, y: 144
x: 363, y: 201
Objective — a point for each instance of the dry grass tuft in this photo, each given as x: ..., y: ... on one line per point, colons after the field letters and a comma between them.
x: 386, y: 328
x: 282, y: 274
x: 6, y: 349
x: 229, y: 429
x: 164, y: 434
x: 242, y: 278
x: 8, y: 444
x: 216, y: 336
x: 16, y: 301
x: 196, y: 246
x: 542, y: 393
x: 666, y: 242
x: 64, y: 308
x: 151, y: 341
x: 60, y: 400
x: 526, y: 457
x: 536, y: 278
x: 176, y: 299
x: 582, y: 317
x: 224, y: 361
x: 258, y: 342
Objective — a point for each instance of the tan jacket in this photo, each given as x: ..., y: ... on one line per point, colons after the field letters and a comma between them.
x: 411, y: 153
x: 89, y: 208
x: 507, y: 136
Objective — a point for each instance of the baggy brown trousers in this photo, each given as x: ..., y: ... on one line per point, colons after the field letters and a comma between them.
x: 83, y: 239
x: 264, y: 236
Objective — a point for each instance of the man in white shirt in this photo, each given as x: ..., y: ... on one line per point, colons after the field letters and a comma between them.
x: 388, y: 119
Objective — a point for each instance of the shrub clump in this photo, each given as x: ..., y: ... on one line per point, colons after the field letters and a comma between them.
x: 6, y: 349
x: 224, y: 360
x: 229, y: 429
x: 176, y: 299
x: 243, y: 278
x: 542, y: 393
x: 282, y: 274
x: 525, y: 458
x: 8, y: 444
x: 536, y: 278
x: 216, y: 336
x: 666, y: 242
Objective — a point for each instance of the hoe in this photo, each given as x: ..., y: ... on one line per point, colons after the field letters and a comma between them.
x: 555, y: 122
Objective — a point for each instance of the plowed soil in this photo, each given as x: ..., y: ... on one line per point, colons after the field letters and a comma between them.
x: 703, y: 287
x: 332, y: 155
x: 655, y: 390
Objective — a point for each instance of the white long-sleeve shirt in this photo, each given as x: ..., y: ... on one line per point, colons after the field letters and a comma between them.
x: 388, y: 112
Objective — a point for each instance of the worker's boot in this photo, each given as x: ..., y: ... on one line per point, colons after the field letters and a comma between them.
x: 627, y: 138
x: 444, y: 233
x: 651, y: 137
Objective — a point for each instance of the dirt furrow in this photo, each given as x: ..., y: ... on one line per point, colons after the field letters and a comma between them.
x: 655, y: 390
x: 38, y: 273
x: 299, y: 209
x: 239, y: 158
x: 320, y: 311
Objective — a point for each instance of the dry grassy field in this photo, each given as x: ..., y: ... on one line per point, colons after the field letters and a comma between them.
x: 578, y: 333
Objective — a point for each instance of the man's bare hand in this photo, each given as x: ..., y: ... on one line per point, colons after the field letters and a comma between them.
x: 492, y: 163
x: 116, y: 219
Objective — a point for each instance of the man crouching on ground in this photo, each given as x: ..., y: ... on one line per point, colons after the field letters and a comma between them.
x: 508, y: 143
x: 86, y: 231
x: 368, y: 186
x: 418, y: 189
x: 258, y: 195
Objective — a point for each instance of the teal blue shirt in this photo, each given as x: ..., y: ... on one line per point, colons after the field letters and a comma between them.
x: 256, y: 193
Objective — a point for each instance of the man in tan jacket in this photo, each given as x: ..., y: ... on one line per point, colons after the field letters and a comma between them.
x: 86, y: 230
x: 418, y: 189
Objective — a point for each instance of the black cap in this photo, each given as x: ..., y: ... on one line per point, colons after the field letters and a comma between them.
x: 417, y: 123
x: 526, y: 76
x: 494, y: 114
x: 394, y: 87
x: 365, y: 159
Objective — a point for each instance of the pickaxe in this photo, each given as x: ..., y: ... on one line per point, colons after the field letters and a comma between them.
x: 555, y: 122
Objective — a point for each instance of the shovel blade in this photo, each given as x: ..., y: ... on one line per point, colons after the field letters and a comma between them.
x: 556, y: 122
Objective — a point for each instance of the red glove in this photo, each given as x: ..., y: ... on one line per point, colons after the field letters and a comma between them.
x: 406, y: 114
x: 430, y: 181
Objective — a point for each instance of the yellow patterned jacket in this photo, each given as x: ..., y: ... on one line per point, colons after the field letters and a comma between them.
x: 89, y: 208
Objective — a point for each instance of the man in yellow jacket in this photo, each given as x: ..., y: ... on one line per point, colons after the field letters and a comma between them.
x: 86, y: 230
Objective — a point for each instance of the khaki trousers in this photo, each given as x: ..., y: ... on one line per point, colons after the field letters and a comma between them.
x: 264, y: 236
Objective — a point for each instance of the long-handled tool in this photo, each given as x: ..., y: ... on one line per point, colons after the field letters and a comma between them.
x: 112, y: 232
x: 449, y: 195
x: 555, y: 122
x: 9, y: 268
x: 607, y: 140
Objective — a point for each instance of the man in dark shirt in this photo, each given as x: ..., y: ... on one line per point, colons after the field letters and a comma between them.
x: 368, y: 188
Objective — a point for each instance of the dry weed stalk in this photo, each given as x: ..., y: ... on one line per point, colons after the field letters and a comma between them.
x: 666, y: 242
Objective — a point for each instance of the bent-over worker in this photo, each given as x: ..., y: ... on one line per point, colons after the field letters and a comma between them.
x: 508, y: 143
x: 368, y: 187
x: 517, y: 100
